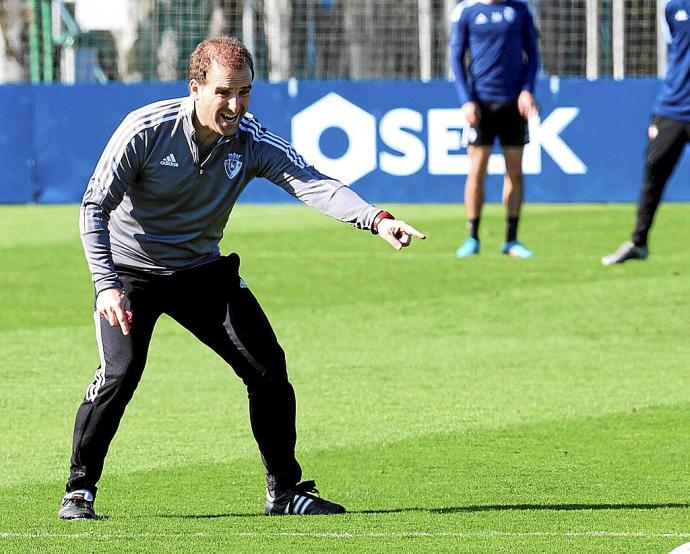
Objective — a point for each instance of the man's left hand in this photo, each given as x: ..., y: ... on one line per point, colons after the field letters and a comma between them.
x: 398, y: 233
x: 527, y: 105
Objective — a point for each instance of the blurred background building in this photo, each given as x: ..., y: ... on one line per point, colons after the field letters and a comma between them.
x: 73, y: 41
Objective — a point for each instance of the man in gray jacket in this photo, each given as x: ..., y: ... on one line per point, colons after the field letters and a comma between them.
x: 151, y: 221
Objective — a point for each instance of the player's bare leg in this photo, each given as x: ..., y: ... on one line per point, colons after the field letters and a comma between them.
x: 513, y: 194
x: 474, y: 197
x: 513, y: 191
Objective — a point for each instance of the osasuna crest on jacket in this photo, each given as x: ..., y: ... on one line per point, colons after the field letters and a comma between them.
x: 233, y: 164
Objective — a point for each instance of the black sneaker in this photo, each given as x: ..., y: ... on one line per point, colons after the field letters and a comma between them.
x: 627, y: 251
x: 77, y: 505
x: 301, y: 500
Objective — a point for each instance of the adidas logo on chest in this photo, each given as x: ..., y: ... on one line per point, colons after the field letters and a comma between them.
x: 170, y: 160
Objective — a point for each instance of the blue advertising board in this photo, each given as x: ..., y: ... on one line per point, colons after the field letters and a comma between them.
x: 391, y: 141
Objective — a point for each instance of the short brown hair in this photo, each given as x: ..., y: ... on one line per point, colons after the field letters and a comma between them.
x: 228, y: 52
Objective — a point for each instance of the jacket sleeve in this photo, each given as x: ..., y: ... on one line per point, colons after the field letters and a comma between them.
x: 531, y: 49
x: 458, y: 44
x: 278, y: 162
x: 116, y: 170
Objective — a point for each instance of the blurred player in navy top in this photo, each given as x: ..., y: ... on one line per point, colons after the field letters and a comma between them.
x: 494, y: 56
x: 668, y: 133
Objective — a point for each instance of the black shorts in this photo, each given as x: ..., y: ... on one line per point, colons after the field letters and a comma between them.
x: 500, y: 120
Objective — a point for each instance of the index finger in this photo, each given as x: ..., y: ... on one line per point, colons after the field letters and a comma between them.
x: 412, y: 231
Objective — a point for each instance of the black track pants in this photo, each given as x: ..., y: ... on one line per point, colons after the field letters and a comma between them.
x: 663, y: 153
x: 214, y: 304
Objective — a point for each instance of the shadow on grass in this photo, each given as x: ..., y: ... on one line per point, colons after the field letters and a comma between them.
x: 471, y: 509
x: 558, y: 507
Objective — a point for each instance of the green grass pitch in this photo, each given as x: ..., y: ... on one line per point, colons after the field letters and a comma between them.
x: 483, y: 405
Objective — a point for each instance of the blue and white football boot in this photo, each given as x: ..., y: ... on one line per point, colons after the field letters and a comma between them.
x: 516, y: 249
x: 468, y: 248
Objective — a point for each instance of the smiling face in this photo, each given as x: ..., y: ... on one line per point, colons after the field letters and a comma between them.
x: 220, y: 101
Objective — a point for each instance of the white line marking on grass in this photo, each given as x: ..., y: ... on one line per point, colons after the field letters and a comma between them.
x: 470, y: 534
x: 96, y: 535
x: 353, y: 535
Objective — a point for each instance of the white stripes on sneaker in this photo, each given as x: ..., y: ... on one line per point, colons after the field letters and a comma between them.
x: 81, y: 493
x: 299, y: 504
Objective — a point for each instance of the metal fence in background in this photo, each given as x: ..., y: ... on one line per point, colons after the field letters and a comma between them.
x: 150, y: 40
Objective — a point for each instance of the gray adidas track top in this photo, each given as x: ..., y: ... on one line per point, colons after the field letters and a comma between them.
x: 153, y: 204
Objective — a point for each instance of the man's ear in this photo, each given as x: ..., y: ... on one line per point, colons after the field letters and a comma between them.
x: 194, y: 88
